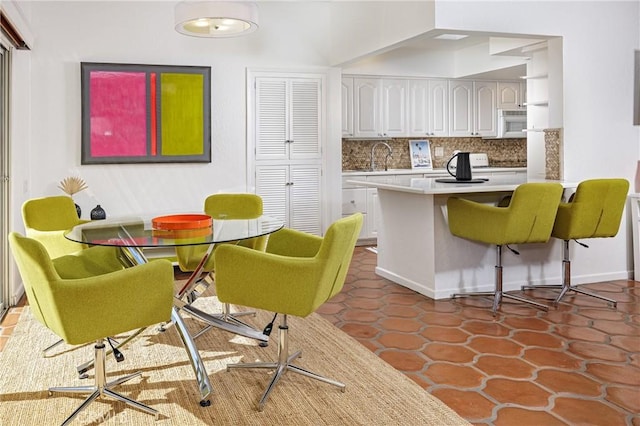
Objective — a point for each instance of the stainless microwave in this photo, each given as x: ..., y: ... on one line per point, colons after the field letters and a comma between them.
x: 512, y: 123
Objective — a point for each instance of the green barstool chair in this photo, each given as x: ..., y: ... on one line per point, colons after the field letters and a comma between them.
x: 594, y: 211
x: 528, y: 218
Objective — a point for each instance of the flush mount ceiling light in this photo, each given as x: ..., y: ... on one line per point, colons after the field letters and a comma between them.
x: 216, y: 18
x: 451, y: 36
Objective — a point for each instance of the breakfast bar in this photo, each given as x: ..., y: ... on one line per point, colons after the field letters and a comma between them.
x: 416, y: 249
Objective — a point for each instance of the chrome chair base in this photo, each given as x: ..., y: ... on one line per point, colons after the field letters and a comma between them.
x: 497, y: 299
x: 498, y: 294
x: 566, y: 286
x: 283, y: 365
x: 48, y: 348
x: 101, y: 387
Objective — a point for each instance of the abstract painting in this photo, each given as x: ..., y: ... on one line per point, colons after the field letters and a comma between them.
x: 145, y: 113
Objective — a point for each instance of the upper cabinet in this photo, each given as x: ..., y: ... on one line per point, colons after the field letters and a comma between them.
x: 347, y: 107
x: 486, y: 111
x: 394, y: 107
x: 428, y: 110
x: 375, y: 107
x: 461, y: 108
x: 379, y: 107
x: 472, y: 108
x: 511, y: 94
x: 366, y: 107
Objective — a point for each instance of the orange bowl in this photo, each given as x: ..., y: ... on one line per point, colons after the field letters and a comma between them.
x: 181, y: 221
x: 180, y: 234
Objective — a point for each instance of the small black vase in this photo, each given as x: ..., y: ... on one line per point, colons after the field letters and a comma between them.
x: 98, y: 213
x: 79, y: 211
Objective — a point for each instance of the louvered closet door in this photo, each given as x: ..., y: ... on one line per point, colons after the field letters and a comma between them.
x: 291, y: 193
x: 304, y: 130
x: 287, y: 119
x: 271, y: 119
x: 272, y: 184
x: 305, y: 198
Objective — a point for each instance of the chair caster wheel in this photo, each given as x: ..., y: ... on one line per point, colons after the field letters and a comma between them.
x: 205, y: 403
x: 83, y: 376
x: 263, y: 344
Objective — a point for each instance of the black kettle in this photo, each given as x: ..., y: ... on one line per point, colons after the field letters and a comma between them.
x: 463, y: 166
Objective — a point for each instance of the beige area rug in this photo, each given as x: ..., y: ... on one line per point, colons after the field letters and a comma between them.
x: 376, y: 393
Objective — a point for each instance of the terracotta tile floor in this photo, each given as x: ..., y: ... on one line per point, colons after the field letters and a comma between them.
x: 578, y: 364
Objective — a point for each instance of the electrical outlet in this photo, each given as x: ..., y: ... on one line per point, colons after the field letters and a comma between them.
x: 439, y: 151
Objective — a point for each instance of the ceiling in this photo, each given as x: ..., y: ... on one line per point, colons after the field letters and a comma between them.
x: 506, y: 44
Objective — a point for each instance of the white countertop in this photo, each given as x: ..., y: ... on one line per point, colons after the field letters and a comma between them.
x: 429, y: 186
x: 476, y: 170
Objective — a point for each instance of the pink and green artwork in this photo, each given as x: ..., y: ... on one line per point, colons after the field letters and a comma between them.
x: 145, y: 113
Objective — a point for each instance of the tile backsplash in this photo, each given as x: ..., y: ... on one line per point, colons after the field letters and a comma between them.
x: 356, y: 154
x: 553, y: 153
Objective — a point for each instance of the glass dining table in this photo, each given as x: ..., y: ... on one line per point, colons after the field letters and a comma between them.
x: 135, y: 235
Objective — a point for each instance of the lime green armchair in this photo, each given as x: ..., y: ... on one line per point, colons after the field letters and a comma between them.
x: 47, y: 219
x: 297, y: 273
x: 85, y: 298
x: 528, y: 218
x: 594, y: 211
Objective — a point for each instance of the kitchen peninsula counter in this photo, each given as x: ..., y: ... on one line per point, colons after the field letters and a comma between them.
x: 416, y: 249
x: 479, y: 171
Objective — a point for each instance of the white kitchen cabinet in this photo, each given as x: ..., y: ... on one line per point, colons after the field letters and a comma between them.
x: 394, y: 107
x: 485, y: 108
x: 287, y: 118
x: 354, y: 200
x: 472, y: 108
x: 347, y: 107
x: 373, y: 212
x: 511, y: 94
x: 419, y: 109
x: 379, y: 107
x: 461, y: 108
x: 291, y: 193
x: 439, y: 107
x: 428, y: 115
x: 366, y: 107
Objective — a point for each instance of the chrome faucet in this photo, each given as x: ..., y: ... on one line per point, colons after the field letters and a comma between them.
x: 389, y: 154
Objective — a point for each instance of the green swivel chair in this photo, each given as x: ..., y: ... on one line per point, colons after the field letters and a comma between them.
x: 222, y: 206
x: 594, y: 211
x: 297, y: 273
x: 46, y: 220
x: 82, y: 299
x: 528, y: 218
